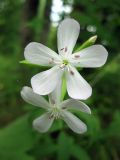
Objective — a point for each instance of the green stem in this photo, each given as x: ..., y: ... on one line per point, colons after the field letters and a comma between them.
x: 63, y: 90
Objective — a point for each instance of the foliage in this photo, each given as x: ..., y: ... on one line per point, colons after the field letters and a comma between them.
x: 23, y: 21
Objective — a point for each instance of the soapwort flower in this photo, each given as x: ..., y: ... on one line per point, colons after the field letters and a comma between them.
x: 55, y: 109
x: 65, y: 62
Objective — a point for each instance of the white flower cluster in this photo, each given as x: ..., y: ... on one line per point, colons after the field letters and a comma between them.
x: 50, y: 82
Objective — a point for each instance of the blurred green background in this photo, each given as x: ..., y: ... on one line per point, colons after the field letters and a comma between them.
x: 23, y: 21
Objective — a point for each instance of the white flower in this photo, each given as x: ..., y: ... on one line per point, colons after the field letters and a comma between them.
x: 55, y: 109
x: 65, y: 62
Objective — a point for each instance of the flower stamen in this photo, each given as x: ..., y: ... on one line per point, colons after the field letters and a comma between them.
x: 62, y: 49
x: 77, y: 56
x: 65, y: 49
x: 51, y: 116
x: 71, y: 72
x: 54, y: 112
x: 65, y: 62
x: 51, y: 61
x: 62, y: 66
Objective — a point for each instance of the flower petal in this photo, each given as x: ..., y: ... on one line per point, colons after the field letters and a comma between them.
x: 45, y: 82
x: 68, y: 32
x: 55, y: 95
x: 74, y: 123
x: 77, y: 87
x: 75, y: 104
x: 93, y: 56
x: 37, y: 53
x: 30, y: 97
x: 43, y: 123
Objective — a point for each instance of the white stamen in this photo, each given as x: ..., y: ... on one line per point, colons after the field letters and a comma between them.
x: 51, y: 61
x: 55, y: 112
x: 62, y: 66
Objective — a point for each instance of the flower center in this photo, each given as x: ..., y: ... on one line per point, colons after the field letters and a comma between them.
x: 55, y: 112
x: 65, y: 62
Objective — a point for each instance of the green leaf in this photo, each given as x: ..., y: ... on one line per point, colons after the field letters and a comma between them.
x: 15, y: 156
x: 57, y: 125
x: 65, y: 144
x: 45, y: 147
x: 114, y: 130
x: 93, y: 124
x: 16, y: 139
x: 69, y: 147
x: 80, y: 153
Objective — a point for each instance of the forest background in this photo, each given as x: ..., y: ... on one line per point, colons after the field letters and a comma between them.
x: 24, y: 21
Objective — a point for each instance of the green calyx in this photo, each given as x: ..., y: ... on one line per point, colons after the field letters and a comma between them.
x: 87, y: 43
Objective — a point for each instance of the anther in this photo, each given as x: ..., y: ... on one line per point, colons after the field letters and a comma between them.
x: 62, y: 66
x: 71, y: 72
x: 61, y: 49
x: 51, y: 116
x: 51, y: 61
x: 77, y: 56
x: 65, y: 49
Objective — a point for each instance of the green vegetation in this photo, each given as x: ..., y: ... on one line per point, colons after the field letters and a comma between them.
x: 23, y: 21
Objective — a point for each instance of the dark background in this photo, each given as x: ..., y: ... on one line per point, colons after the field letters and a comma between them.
x: 23, y: 21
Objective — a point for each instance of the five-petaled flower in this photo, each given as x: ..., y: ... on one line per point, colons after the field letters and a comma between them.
x: 55, y: 109
x: 65, y: 62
